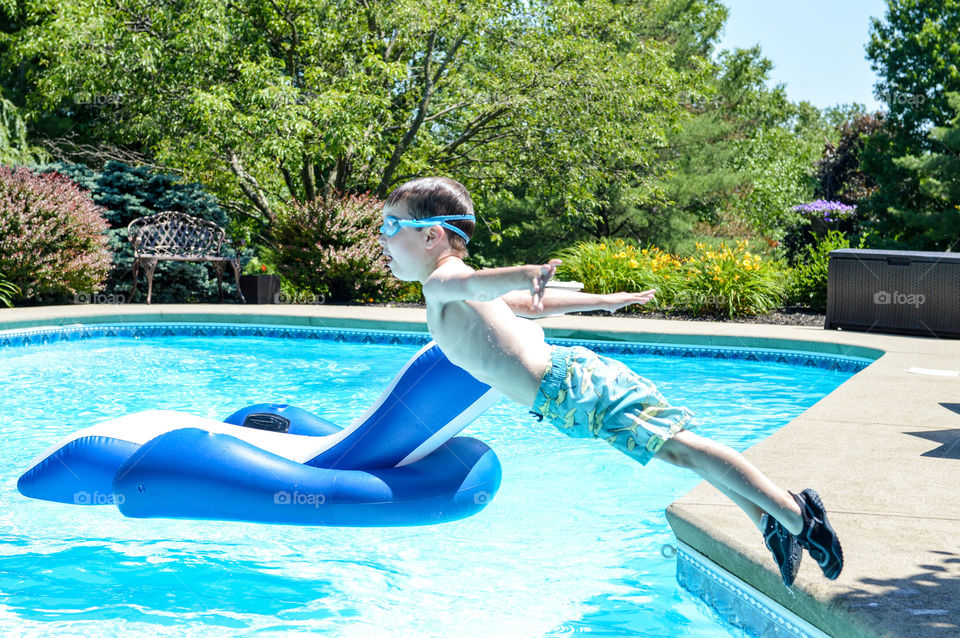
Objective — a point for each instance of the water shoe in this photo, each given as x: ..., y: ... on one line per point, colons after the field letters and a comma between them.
x: 784, y: 546
x: 817, y: 535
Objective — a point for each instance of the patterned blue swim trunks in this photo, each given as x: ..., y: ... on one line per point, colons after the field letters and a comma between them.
x: 585, y: 394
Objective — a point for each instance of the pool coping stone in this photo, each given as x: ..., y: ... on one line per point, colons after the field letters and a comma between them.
x: 893, y: 434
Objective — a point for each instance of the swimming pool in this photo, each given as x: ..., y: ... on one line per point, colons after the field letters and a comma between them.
x: 571, y: 544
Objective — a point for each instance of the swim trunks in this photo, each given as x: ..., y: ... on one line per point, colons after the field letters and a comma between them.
x: 585, y: 394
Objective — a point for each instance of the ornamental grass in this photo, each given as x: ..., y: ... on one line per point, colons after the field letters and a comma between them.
x: 729, y: 280
x: 621, y: 266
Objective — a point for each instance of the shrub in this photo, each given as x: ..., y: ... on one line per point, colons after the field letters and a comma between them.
x: 729, y: 281
x: 621, y: 266
x: 129, y: 192
x: 329, y: 247
x: 52, y: 238
x: 807, y: 284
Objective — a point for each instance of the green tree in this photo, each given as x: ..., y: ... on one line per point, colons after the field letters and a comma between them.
x: 938, y: 173
x: 915, y: 52
x: 15, y: 148
x: 746, y: 153
x: 23, y: 131
x: 631, y: 201
x: 267, y: 102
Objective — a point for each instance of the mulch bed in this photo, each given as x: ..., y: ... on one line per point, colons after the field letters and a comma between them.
x: 782, y: 317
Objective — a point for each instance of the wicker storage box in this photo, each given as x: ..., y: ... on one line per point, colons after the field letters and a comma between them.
x: 894, y: 291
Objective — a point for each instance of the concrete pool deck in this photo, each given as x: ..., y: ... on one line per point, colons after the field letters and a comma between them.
x: 883, y: 450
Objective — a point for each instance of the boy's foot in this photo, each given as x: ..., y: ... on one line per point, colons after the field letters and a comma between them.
x: 786, y: 550
x: 817, y: 535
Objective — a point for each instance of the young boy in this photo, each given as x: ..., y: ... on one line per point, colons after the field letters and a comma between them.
x: 479, y: 320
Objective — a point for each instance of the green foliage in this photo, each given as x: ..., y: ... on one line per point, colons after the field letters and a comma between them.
x: 936, y: 223
x: 731, y: 282
x: 266, y: 102
x: 746, y: 152
x: 779, y: 163
x: 52, y: 241
x: 620, y: 265
x: 14, y: 147
x: 257, y: 267
x: 727, y: 281
x: 330, y: 248
x: 130, y: 192
x: 692, y: 27
x: 807, y: 280
x: 8, y: 292
x: 915, y: 52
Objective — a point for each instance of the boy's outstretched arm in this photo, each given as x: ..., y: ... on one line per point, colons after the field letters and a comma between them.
x: 452, y: 283
x: 560, y: 301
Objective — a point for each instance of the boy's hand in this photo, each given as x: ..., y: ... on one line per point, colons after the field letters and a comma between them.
x: 618, y: 300
x: 538, y: 283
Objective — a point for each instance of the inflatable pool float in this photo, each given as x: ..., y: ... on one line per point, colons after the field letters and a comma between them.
x: 398, y: 464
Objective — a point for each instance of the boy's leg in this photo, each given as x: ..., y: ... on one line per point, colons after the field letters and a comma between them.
x: 727, y: 469
x: 749, y: 507
x: 723, y: 466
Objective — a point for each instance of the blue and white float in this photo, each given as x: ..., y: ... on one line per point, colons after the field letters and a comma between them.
x: 398, y: 464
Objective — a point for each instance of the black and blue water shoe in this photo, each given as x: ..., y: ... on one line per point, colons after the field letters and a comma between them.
x: 784, y: 546
x: 818, y: 536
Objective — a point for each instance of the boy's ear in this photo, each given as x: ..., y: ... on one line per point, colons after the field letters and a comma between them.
x: 433, y: 235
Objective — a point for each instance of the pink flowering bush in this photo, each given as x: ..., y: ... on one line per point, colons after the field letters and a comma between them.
x: 329, y: 247
x: 52, y: 235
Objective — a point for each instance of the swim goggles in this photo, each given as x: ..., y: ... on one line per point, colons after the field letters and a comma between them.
x: 392, y: 225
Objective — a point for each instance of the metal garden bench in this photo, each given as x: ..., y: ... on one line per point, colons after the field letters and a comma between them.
x: 173, y: 236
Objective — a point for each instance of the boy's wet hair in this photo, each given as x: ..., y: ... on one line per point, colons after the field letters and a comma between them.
x: 434, y: 196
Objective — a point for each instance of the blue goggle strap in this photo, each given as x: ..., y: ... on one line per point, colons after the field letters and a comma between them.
x: 438, y: 221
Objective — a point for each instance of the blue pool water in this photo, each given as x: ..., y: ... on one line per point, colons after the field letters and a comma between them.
x: 573, y: 543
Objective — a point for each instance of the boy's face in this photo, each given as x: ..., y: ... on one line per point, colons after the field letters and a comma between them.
x: 404, y: 250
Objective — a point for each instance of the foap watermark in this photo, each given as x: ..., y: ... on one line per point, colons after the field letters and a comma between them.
x: 99, y: 298
x: 481, y: 498
x: 884, y: 298
x: 299, y: 498
x: 900, y: 97
x: 95, y: 100
x: 97, y: 498
x: 299, y: 299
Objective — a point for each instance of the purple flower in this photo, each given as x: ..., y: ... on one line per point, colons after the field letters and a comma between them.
x: 829, y: 211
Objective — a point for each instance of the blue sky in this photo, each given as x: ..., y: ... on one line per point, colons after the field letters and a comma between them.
x: 816, y: 46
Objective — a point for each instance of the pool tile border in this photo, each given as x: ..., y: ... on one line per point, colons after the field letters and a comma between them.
x: 80, y: 332
x: 736, y: 602
x: 841, y: 363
